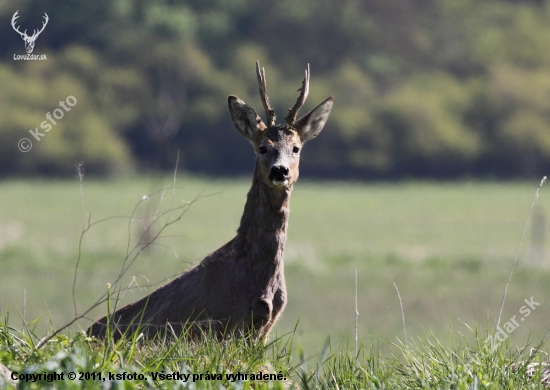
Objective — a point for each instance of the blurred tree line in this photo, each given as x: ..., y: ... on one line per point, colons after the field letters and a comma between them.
x: 422, y: 88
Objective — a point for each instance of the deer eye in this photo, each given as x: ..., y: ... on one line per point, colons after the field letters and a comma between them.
x: 296, y: 149
x: 263, y: 150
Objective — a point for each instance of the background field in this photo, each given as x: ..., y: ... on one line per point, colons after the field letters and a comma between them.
x: 448, y: 247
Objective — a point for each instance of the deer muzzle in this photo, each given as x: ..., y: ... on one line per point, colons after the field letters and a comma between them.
x: 279, y: 175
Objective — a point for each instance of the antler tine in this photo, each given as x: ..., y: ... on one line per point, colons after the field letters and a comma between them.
x: 44, y: 23
x: 269, y: 112
x: 13, y: 19
x: 293, y: 112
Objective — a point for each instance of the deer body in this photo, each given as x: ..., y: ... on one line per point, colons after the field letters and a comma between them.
x: 241, y: 286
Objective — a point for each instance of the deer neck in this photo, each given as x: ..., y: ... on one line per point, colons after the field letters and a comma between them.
x: 261, y: 236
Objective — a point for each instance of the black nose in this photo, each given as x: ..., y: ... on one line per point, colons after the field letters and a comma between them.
x: 279, y: 173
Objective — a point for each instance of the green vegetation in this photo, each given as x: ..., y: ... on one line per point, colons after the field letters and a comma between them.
x: 438, y: 88
x: 424, y: 89
x: 207, y: 363
x: 448, y: 247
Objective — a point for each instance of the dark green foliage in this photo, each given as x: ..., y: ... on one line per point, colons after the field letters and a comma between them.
x: 435, y: 88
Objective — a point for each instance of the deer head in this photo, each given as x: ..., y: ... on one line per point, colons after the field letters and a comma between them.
x: 278, y: 146
x: 29, y: 41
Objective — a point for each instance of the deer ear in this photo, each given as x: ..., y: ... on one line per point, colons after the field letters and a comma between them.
x: 245, y: 119
x: 310, y: 125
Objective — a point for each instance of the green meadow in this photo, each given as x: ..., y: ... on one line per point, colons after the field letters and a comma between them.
x: 448, y: 247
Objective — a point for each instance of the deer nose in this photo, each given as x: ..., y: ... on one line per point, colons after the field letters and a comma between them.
x: 279, y: 173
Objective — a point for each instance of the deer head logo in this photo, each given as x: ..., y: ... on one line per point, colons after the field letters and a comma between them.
x: 29, y: 41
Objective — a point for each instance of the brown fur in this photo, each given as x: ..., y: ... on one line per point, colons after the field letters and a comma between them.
x: 241, y: 286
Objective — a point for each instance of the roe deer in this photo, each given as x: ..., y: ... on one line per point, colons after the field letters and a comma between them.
x: 240, y: 287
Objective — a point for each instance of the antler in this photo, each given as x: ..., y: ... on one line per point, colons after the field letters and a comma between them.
x: 43, y: 26
x: 15, y: 16
x: 293, y: 112
x: 24, y: 34
x: 270, y: 114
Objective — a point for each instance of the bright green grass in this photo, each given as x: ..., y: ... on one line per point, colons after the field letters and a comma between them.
x: 448, y: 247
x: 210, y: 364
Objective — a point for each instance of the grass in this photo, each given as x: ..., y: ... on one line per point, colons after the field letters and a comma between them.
x: 447, y: 247
x: 208, y: 363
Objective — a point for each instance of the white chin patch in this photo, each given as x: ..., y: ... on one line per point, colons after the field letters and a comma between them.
x: 280, y: 183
